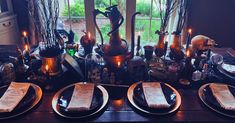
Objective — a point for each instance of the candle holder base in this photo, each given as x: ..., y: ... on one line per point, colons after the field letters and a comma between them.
x: 159, y: 52
x: 176, y: 55
x: 51, y: 83
x: 184, y: 81
x: 53, y: 64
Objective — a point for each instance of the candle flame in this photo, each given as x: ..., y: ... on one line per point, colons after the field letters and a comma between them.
x: 89, y: 35
x: 190, y: 31
x: 47, y: 68
x: 118, y: 102
x: 24, y: 33
x: 188, y: 53
x: 26, y: 47
x: 119, y: 63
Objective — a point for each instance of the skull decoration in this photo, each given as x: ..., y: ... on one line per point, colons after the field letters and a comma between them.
x: 201, y: 42
x: 94, y: 75
x: 7, y: 73
x: 93, y: 67
x: 105, y: 75
x: 137, y: 69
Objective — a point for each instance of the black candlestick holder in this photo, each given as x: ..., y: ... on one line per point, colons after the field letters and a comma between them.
x: 115, y: 75
x: 186, y: 73
x: 148, y: 52
x: 51, y: 83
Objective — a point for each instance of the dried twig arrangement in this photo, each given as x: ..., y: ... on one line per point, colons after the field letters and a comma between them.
x: 182, y: 8
x: 166, y: 8
x: 45, y: 14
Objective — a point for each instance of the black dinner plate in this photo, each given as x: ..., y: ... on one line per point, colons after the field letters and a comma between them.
x: 139, y: 98
x: 211, y: 100
x: 66, y: 95
x: 223, y: 66
x: 28, y: 101
x: 225, y: 72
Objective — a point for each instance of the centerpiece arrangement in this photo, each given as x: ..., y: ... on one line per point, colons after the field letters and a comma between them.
x: 166, y: 7
x: 176, y: 48
x: 115, y: 67
x: 116, y: 53
x: 45, y: 16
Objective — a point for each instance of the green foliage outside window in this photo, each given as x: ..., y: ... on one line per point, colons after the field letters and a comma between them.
x: 142, y: 25
x: 144, y: 7
x: 76, y: 10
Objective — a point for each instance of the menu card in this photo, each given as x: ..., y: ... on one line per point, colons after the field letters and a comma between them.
x: 13, y: 95
x: 82, y: 97
x: 223, y: 95
x: 154, y: 95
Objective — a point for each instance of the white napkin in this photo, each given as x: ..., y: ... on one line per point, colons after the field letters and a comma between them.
x: 223, y: 95
x: 13, y: 95
x: 154, y: 95
x: 82, y: 97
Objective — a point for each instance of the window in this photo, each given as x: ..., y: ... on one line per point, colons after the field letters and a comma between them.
x: 104, y: 23
x: 81, y: 10
x: 148, y: 22
x: 77, y: 13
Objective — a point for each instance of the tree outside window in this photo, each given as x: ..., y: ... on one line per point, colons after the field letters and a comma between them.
x: 77, y: 12
x: 146, y: 23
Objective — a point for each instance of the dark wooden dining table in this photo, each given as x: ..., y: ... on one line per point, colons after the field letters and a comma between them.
x: 119, y: 109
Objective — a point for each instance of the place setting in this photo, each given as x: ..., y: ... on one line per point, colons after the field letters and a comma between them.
x: 18, y: 98
x: 154, y: 98
x: 80, y: 100
x: 227, y: 70
x: 219, y: 98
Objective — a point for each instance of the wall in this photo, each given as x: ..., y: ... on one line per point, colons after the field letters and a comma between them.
x: 20, y: 9
x: 214, y: 18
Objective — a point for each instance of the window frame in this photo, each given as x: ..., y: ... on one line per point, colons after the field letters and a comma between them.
x: 89, y: 6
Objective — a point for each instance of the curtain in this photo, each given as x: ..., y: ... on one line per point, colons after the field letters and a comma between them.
x: 43, y: 15
x: 34, y: 34
x: 173, y: 21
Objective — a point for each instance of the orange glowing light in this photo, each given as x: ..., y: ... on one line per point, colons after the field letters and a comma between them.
x: 89, y: 35
x: 24, y: 33
x: 47, y: 68
x: 118, y: 102
x: 190, y: 31
x: 26, y: 47
x: 188, y: 53
x: 119, y: 63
